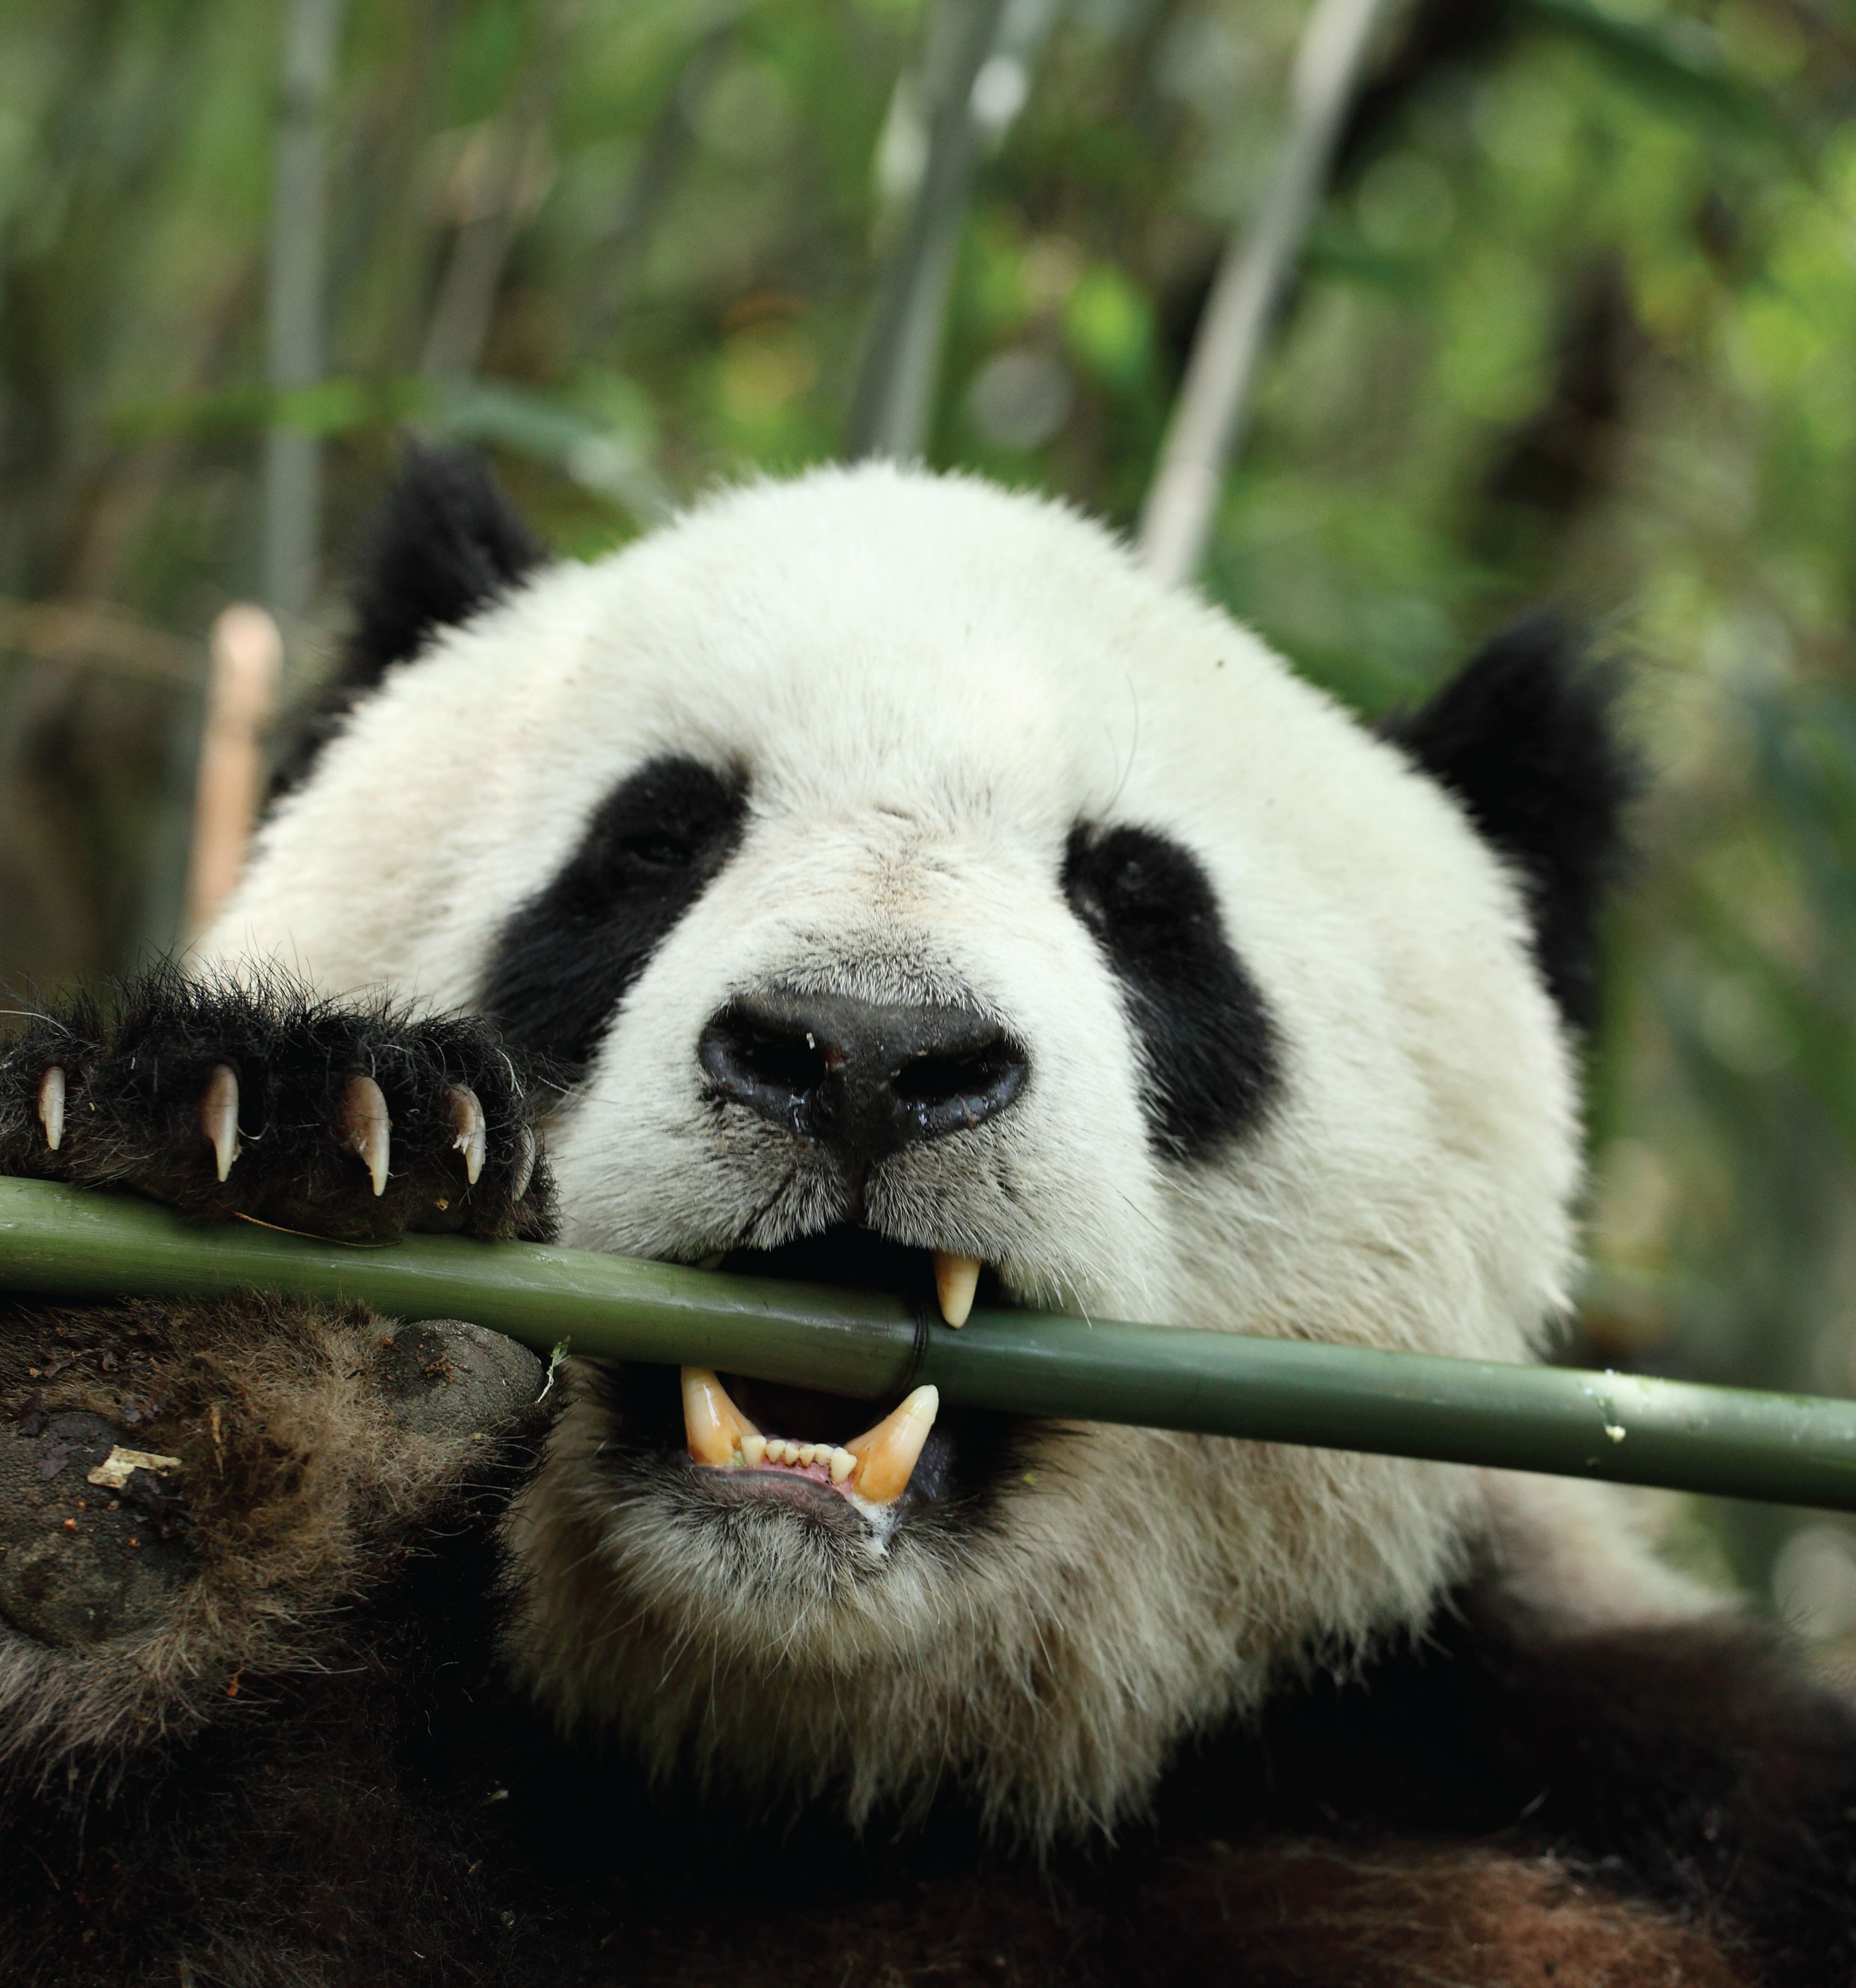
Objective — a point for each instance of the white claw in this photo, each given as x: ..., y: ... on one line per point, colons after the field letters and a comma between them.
x: 467, y: 1117
x: 525, y: 1165
x: 51, y: 1106
x: 956, y: 1280
x: 366, y: 1128
x: 219, y: 1116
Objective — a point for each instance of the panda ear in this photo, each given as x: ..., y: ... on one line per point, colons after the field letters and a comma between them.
x: 444, y: 545
x: 1524, y: 738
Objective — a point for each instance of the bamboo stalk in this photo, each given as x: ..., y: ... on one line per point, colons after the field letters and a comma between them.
x: 228, y: 789
x: 1792, y: 1449
x: 1208, y: 418
x: 893, y: 398
x: 292, y: 461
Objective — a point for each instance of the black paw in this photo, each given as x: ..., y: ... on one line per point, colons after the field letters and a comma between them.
x: 254, y: 1098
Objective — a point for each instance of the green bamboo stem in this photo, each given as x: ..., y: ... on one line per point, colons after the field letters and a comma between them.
x: 61, y: 1241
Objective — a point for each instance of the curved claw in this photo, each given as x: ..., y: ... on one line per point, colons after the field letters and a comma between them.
x: 219, y: 1116
x: 51, y: 1106
x: 467, y: 1117
x: 366, y: 1129
x: 525, y: 1165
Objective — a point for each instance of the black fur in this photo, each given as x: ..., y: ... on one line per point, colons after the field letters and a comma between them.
x: 444, y: 546
x: 1523, y: 737
x: 1698, y: 1761
x: 135, y: 1069
x: 566, y: 959
x: 1208, y: 1044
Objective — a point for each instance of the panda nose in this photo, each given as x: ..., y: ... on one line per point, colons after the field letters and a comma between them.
x: 861, y: 1078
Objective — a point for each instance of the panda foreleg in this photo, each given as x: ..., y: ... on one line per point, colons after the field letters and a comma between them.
x: 249, y: 1584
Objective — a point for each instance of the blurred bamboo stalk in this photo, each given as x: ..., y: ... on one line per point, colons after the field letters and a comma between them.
x: 293, y: 461
x: 1208, y: 418
x: 247, y: 660
x: 479, y: 251
x: 620, y: 258
x: 98, y: 635
x: 894, y: 394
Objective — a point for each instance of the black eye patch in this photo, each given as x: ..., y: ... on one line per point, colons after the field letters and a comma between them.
x: 1208, y: 1047
x: 567, y: 958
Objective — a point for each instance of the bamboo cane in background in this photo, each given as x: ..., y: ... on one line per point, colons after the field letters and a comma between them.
x: 1795, y: 1449
x: 293, y: 461
x: 242, y: 693
x: 1208, y: 417
x: 893, y: 398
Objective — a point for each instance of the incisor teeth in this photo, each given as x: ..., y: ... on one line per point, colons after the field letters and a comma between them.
x: 843, y: 1463
x: 467, y: 1117
x: 956, y: 1280
x: 366, y: 1127
x: 219, y: 1116
x: 51, y: 1106
x: 714, y: 1427
x: 754, y: 1449
x: 886, y: 1455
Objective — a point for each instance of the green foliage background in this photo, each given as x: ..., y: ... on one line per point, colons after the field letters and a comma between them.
x: 1578, y: 321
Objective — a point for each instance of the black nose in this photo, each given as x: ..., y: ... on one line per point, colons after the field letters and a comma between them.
x: 862, y: 1079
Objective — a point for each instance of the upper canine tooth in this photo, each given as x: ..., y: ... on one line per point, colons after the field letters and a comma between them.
x: 51, y: 1106
x: 886, y: 1455
x: 956, y: 1280
x: 714, y: 1427
x: 219, y: 1116
x: 366, y: 1127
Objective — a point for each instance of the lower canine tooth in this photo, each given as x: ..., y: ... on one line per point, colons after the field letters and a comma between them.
x: 956, y: 1280
x: 886, y: 1455
x: 714, y: 1427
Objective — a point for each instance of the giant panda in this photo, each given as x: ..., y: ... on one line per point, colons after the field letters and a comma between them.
x: 875, y: 877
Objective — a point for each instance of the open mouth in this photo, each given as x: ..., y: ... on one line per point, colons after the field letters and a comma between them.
x: 760, y: 1441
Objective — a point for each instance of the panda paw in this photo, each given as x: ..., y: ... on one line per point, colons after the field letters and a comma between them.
x: 256, y: 1098
x: 199, y: 1502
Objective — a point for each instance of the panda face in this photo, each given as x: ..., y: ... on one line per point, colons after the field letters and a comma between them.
x: 897, y: 879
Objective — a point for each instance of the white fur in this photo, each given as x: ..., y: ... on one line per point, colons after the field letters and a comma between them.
x: 929, y: 681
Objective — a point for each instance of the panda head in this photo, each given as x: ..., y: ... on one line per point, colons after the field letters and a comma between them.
x: 890, y: 867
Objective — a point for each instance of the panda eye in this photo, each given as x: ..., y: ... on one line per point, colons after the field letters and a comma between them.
x: 1204, y: 1037
x: 660, y: 850
x: 671, y: 818
x: 565, y: 960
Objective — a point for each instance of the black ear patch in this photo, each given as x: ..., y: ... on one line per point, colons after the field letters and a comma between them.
x: 1208, y: 1043
x: 1523, y: 736
x: 444, y: 545
x: 567, y: 958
